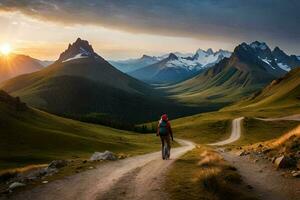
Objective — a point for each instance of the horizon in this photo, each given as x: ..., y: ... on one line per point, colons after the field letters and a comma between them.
x: 44, y: 29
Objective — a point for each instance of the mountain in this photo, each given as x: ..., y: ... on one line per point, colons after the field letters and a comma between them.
x: 277, y: 59
x: 249, y: 68
x: 280, y: 94
x: 83, y: 85
x: 29, y: 136
x: 174, y: 68
x: 15, y: 64
x: 130, y: 65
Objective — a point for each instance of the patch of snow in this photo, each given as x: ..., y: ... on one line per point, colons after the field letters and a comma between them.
x: 202, y: 59
x: 284, y: 67
x: 265, y: 60
x: 78, y: 56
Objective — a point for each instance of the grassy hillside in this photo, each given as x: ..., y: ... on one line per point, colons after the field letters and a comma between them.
x: 281, y: 94
x: 30, y: 136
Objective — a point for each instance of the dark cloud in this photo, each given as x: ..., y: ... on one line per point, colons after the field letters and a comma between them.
x: 205, y: 19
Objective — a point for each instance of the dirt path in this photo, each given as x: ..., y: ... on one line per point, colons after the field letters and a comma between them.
x: 287, y: 118
x: 235, y: 133
x: 268, y: 183
x: 144, y: 173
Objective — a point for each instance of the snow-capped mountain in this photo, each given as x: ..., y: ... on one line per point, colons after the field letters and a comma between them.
x: 177, y: 67
x: 276, y: 61
x: 78, y: 50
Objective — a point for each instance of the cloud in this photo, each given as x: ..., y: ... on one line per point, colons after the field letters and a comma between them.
x: 205, y: 19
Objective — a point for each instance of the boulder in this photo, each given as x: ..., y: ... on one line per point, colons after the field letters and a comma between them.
x: 296, y: 174
x: 107, y: 155
x: 15, y: 185
x: 243, y: 153
x: 58, y: 164
x: 283, y: 162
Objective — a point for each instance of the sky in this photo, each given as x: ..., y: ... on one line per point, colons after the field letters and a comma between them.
x: 120, y: 29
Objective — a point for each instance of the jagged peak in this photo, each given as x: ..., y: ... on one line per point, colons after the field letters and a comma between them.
x: 209, y: 51
x: 80, y: 48
x: 259, y: 45
x: 172, y: 56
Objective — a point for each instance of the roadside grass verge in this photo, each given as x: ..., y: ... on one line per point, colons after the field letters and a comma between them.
x: 203, y: 174
x: 255, y: 130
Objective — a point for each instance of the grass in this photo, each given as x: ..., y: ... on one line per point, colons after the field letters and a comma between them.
x: 203, y: 174
x: 259, y: 131
x: 35, y: 137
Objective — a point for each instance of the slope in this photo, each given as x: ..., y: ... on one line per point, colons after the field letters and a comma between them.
x: 15, y: 64
x: 31, y: 136
x: 283, y: 93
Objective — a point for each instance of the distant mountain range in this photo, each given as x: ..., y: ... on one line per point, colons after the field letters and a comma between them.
x: 81, y: 84
x: 15, y: 64
x: 175, y: 68
x: 249, y: 68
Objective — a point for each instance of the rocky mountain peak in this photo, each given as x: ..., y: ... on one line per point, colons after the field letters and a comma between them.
x: 79, y: 49
x: 172, y: 56
x: 209, y: 51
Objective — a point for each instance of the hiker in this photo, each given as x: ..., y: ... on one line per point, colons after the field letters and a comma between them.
x: 165, y: 132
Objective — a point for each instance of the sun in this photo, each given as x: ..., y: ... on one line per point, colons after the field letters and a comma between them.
x: 5, y: 49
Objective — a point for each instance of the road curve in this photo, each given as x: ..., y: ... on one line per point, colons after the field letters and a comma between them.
x: 96, y: 183
x: 235, y: 133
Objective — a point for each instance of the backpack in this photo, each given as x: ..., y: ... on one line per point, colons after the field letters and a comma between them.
x: 163, y: 128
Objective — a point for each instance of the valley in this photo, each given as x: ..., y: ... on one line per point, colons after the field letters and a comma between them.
x: 213, y: 99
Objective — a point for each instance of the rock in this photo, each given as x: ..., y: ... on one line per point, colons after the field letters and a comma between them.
x: 58, y: 164
x: 243, y: 153
x: 296, y: 174
x: 266, y: 150
x: 44, y: 182
x: 283, y: 162
x: 15, y: 185
x: 107, y: 155
x: 91, y: 167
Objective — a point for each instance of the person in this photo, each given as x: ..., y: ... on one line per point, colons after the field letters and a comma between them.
x: 164, y: 130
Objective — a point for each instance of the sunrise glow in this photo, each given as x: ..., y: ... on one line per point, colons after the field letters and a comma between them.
x: 5, y: 49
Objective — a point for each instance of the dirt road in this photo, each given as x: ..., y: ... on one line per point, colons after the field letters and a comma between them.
x: 144, y: 174
x: 235, y: 133
x: 268, y: 183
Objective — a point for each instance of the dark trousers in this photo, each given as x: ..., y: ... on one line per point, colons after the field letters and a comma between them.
x: 165, y: 140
